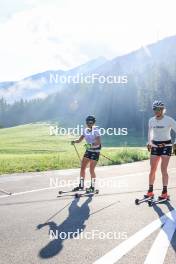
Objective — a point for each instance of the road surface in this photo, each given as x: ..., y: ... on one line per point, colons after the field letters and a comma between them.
x: 37, y: 227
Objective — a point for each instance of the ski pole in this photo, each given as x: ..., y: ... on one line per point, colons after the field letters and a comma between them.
x: 3, y: 191
x: 77, y: 152
x: 107, y: 158
x: 101, y: 154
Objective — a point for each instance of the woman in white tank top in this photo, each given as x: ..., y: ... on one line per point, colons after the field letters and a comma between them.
x: 91, y: 156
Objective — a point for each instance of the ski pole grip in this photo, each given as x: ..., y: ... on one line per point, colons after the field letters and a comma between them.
x: 149, y: 147
x: 174, y: 148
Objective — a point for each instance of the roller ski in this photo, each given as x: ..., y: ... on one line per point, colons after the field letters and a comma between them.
x: 147, y: 198
x: 89, y: 191
x: 72, y: 192
x: 76, y: 189
x: 161, y: 199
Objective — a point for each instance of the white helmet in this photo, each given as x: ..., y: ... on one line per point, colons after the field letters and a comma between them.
x: 157, y: 104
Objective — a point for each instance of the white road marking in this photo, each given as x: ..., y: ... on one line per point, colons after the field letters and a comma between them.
x: 118, y: 252
x: 110, y: 178
x: 56, y: 187
x: 159, y: 248
x: 31, y: 191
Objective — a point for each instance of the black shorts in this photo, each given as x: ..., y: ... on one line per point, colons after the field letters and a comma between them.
x: 161, y: 151
x: 92, y: 155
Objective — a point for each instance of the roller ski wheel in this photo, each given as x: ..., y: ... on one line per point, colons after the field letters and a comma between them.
x: 87, y: 192
x: 77, y: 195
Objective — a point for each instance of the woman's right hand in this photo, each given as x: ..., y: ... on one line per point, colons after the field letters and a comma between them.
x: 87, y: 146
x: 174, y: 148
x: 149, y: 147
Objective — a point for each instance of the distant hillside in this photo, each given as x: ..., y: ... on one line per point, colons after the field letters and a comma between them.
x: 39, y: 85
x: 151, y: 73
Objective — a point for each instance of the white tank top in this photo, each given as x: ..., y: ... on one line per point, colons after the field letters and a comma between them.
x: 90, y: 136
x: 160, y: 130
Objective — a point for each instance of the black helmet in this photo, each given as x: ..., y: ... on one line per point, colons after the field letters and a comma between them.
x: 91, y: 119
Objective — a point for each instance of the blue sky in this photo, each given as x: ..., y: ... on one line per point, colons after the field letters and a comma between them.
x: 38, y: 35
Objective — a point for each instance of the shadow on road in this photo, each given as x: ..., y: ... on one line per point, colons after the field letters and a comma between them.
x: 75, y: 222
x: 160, y: 213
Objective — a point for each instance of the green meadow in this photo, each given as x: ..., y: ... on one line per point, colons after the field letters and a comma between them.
x: 29, y: 147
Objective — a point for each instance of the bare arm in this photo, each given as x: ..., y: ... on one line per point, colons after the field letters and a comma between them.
x: 149, y: 144
x: 97, y: 142
x: 78, y: 140
x: 173, y: 125
x: 149, y: 136
x: 174, y: 128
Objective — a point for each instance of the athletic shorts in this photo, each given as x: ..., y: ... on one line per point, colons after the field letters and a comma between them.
x: 161, y: 151
x: 92, y: 155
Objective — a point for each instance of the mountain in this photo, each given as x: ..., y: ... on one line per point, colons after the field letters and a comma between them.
x: 6, y: 84
x: 40, y: 86
x: 151, y: 75
x: 46, y: 83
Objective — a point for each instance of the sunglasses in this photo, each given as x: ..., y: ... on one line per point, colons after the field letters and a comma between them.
x: 90, y: 123
x: 158, y: 109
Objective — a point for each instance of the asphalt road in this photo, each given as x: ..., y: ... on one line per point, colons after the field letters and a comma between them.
x: 110, y: 228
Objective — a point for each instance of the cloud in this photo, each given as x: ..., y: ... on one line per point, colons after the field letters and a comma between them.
x: 44, y: 35
x: 40, y: 95
x: 24, y: 89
